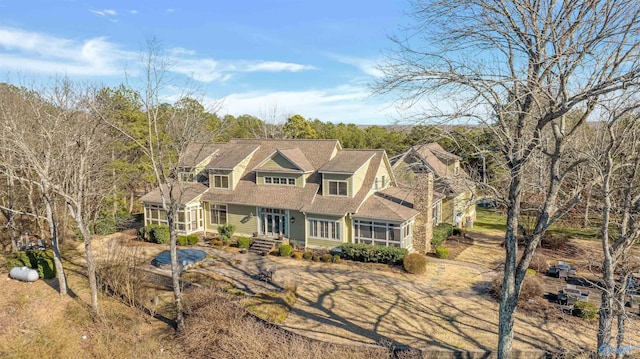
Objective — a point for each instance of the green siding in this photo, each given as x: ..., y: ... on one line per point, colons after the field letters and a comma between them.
x: 261, y: 175
x: 297, y: 229
x: 237, y: 214
x: 278, y: 162
x: 324, y: 243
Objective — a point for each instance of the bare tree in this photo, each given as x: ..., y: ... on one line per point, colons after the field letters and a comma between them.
x: 30, y: 151
x: 519, y: 68
x: 171, y: 128
x: 615, y: 153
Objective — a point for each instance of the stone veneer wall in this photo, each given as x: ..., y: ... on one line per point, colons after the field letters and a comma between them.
x: 423, y: 203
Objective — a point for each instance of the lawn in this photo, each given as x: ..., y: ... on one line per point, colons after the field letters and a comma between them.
x: 489, y: 220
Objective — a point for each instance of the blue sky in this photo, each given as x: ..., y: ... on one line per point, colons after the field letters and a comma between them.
x: 314, y: 58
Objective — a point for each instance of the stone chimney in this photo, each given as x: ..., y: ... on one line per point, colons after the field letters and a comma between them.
x: 423, y: 203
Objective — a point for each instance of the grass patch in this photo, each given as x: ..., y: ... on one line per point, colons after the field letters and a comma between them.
x: 211, y: 280
x: 490, y: 220
x: 272, y: 306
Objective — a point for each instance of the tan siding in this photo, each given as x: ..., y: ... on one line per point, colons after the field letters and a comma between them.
x: 447, y: 210
x: 239, y: 170
x: 237, y: 214
x: 383, y: 171
x: 326, y: 177
x: 358, y: 178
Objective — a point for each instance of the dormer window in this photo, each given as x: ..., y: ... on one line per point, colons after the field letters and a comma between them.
x: 338, y: 188
x: 280, y: 180
x: 221, y: 181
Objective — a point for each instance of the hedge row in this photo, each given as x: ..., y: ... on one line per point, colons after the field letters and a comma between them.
x: 188, y: 240
x: 370, y: 253
x: 35, y: 259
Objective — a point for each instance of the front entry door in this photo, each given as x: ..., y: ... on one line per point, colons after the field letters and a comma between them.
x: 273, y: 222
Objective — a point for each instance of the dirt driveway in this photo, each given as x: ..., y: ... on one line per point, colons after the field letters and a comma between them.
x: 447, y: 308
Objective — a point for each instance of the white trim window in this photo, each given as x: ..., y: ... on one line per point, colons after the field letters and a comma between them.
x: 154, y: 214
x: 380, y: 233
x: 338, y: 188
x: 287, y: 181
x: 221, y: 181
x: 437, y: 213
x: 218, y: 213
x: 325, y: 229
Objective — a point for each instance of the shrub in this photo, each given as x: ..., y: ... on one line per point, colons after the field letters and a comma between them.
x: 335, y: 259
x: 440, y: 234
x: 531, y: 272
x: 539, y: 263
x: 285, y: 250
x: 34, y: 259
x: 104, y: 225
x: 370, y: 253
x: 145, y: 232
x: 244, y: 242
x: 531, y: 288
x: 585, y: 310
x: 159, y: 234
x: 326, y: 257
x: 18, y: 259
x: 182, y: 240
x: 415, y: 263
x: 297, y: 255
x: 307, y: 255
x: 315, y: 257
x: 226, y: 232
x: 189, y: 240
x: 442, y: 252
x: 554, y: 242
x: 216, y: 242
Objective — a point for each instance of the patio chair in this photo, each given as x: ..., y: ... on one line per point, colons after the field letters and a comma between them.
x: 571, y: 286
x: 41, y: 245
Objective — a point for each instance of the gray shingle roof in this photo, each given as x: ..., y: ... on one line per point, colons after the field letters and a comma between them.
x: 184, y: 192
x: 377, y: 207
x: 231, y: 155
x: 348, y: 161
x: 198, y: 152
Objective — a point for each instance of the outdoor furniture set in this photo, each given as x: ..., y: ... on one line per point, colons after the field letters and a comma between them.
x: 562, y: 270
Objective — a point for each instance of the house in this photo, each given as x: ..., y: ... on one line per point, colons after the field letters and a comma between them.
x: 313, y: 192
x: 450, y: 180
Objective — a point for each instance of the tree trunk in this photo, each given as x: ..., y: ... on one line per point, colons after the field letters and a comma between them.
x: 585, y: 220
x: 176, y: 270
x: 57, y: 257
x: 131, y: 197
x: 510, y: 284
x: 91, y: 266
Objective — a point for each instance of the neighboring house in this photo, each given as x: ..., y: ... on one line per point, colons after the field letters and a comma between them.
x: 312, y: 192
x: 451, y: 181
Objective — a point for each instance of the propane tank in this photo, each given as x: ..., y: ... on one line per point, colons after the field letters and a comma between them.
x: 24, y: 274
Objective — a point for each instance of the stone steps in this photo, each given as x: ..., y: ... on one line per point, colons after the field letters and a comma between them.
x: 264, y: 245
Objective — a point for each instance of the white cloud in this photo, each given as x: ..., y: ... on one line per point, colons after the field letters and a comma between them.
x: 366, y: 65
x: 349, y: 104
x: 275, y: 66
x: 133, y: 12
x: 105, y: 12
x: 42, y: 53
x: 169, y: 11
